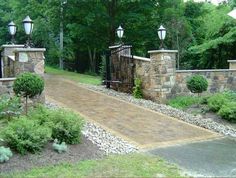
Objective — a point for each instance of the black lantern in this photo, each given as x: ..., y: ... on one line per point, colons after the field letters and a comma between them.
x: 120, y: 32
x: 28, y: 26
x: 12, y: 30
x: 162, y: 35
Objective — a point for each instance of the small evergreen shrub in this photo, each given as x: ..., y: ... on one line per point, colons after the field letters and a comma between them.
x: 197, y: 84
x: 28, y: 85
x: 216, y: 101
x: 228, y: 111
x: 59, y: 147
x: 25, y: 135
x: 41, y: 114
x: 66, y: 126
x: 137, y: 92
x: 5, y: 154
x: 9, y: 106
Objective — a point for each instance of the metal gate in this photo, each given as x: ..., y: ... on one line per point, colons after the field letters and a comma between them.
x: 120, y: 68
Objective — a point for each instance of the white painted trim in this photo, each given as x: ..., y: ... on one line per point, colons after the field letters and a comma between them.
x: 138, y: 58
x: 232, y: 61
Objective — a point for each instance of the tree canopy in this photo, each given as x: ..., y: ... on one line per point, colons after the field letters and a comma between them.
x: 202, y: 32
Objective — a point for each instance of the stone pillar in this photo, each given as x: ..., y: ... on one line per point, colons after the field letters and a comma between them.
x: 8, y: 60
x: 162, y: 74
x: 30, y: 60
x: 232, y: 64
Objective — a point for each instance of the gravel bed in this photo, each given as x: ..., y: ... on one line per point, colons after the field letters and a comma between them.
x: 103, y: 139
x: 165, y: 109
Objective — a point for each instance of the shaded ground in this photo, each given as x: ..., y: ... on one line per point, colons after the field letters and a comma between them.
x: 205, y: 113
x: 141, y: 126
x: 210, y: 158
x: 85, y: 150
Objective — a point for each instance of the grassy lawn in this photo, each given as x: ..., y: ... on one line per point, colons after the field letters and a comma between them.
x: 133, y: 165
x: 183, y: 102
x: 82, y: 78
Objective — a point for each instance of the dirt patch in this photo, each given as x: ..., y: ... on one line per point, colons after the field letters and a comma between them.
x: 85, y: 150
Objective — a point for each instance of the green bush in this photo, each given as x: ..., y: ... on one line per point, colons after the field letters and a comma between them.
x: 66, y: 126
x: 197, y: 84
x: 228, y: 111
x: 216, y: 101
x: 5, y: 154
x: 41, y: 114
x: 28, y: 85
x: 182, y: 102
x: 25, y: 135
x: 9, y: 106
x: 137, y: 92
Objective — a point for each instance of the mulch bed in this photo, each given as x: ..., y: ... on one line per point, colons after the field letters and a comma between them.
x: 85, y: 150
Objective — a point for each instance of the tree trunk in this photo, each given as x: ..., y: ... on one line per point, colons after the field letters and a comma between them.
x: 92, y: 59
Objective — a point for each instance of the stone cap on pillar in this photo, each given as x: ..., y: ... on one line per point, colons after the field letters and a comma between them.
x: 12, y: 46
x: 163, y: 51
x: 30, y: 49
x: 232, y: 64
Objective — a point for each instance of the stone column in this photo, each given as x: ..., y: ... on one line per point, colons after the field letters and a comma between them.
x: 162, y: 74
x: 8, y: 60
x: 232, y: 64
x: 31, y: 60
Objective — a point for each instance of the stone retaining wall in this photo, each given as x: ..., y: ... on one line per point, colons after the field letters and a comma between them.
x: 218, y: 80
x: 6, y: 85
x: 160, y: 80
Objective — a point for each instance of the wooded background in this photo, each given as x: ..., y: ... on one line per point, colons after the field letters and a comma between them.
x: 203, y: 33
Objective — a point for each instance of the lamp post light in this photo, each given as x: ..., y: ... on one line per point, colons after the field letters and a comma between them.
x: 120, y: 33
x: 12, y: 31
x: 61, y: 64
x: 28, y: 26
x: 162, y: 35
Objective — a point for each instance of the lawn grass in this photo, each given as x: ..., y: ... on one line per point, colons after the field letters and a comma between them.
x: 132, y: 165
x: 183, y: 102
x: 81, y: 78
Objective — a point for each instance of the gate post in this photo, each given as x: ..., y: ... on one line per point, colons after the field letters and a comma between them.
x: 162, y: 74
x: 108, y: 70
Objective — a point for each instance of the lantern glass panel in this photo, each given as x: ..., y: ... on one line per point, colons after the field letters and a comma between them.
x: 28, y: 28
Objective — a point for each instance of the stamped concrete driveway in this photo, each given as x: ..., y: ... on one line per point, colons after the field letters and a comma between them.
x: 144, y: 128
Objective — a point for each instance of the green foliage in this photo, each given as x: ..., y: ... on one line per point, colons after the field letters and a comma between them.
x: 228, y: 111
x: 66, y: 126
x: 102, y: 70
x: 59, y: 147
x: 137, y: 92
x: 25, y: 135
x: 197, y: 84
x: 9, y: 106
x: 182, y: 102
x: 5, y: 154
x: 216, y: 101
x: 28, y: 85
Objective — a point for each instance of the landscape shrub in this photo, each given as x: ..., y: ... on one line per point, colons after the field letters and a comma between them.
x: 66, y: 126
x: 25, y: 135
x: 182, y: 102
x: 41, y: 114
x: 137, y: 92
x: 5, y: 154
x: 9, y: 106
x: 228, y: 111
x: 197, y: 84
x: 28, y: 85
x: 216, y: 101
